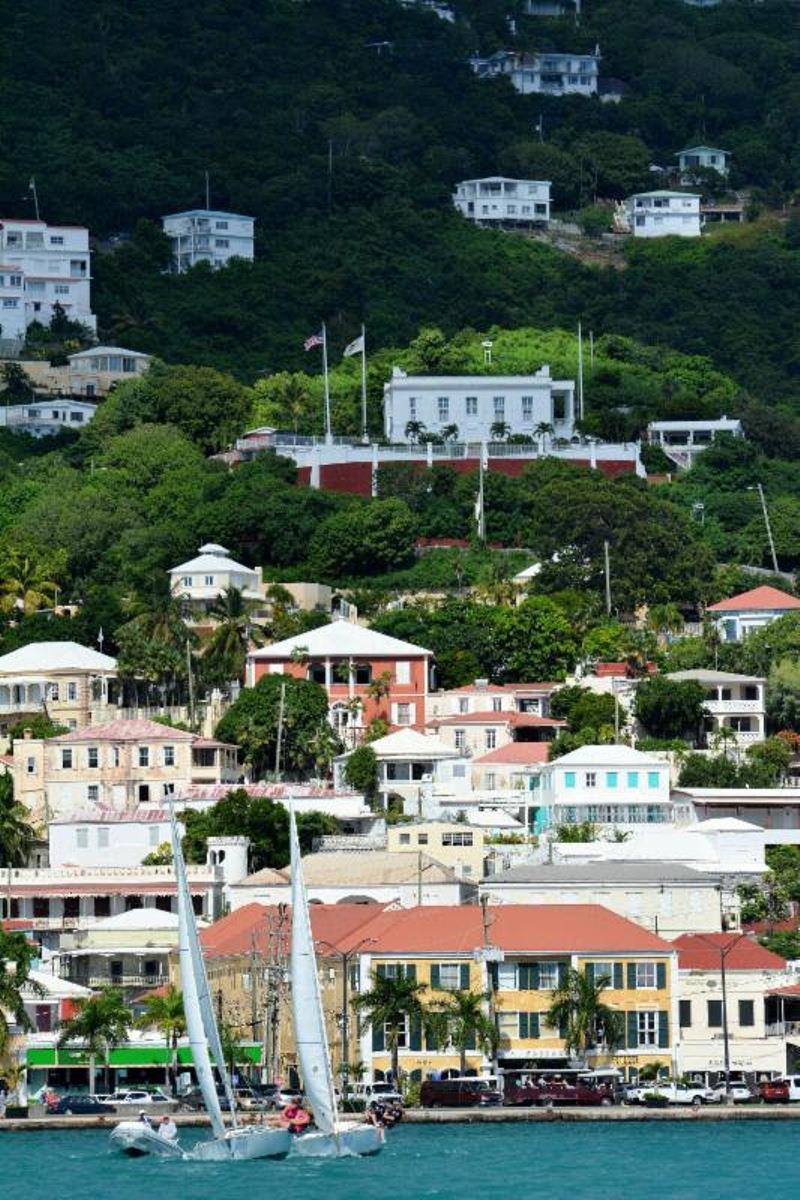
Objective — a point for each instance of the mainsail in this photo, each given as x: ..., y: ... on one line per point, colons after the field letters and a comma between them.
x: 196, y: 999
x: 309, y: 1022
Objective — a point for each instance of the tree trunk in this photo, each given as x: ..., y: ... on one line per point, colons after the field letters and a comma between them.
x: 107, y: 1070
x: 463, y: 1059
x: 92, y: 1073
x: 395, y: 1060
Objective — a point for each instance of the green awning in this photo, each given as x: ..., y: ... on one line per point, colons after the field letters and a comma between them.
x: 124, y: 1056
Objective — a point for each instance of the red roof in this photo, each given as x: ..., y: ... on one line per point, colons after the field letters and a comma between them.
x: 517, y: 752
x: 247, y: 928
x: 605, y: 669
x: 126, y: 731
x: 518, y: 720
x: 521, y: 928
x: 701, y: 952
x: 770, y: 599
x: 793, y: 989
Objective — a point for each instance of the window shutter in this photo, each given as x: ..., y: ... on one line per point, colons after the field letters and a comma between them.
x: 661, y: 975
x: 434, y: 975
x: 618, y: 975
x: 633, y: 1031
x: 523, y: 1025
x: 663, y: 1030
x: 411, y: 971
x: 562, y: 973
x: 378, y: 1039
x: 380, y: 970
x: 492, y: 972
x: 533, y: 1025
x: 464, y: 983
x: 590, y: 972
x: 415, y: 1034
x: 533, y: 977
x: 632, y: 976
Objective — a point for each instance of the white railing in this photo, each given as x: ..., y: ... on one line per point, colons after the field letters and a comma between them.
x: 733, y: 706
x: 783, y: 1029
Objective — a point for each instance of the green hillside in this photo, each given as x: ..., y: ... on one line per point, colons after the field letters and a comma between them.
x: 261, y: 94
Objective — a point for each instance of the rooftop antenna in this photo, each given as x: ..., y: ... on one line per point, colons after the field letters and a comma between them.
x: 208, y: 193
x: 32, y: 188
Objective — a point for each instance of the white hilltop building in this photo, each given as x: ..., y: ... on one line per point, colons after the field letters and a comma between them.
x: 207, y: 235
x: 548, y: 73
x: 733, y: 702
x: 702, y: 158
x: 413, y: 766
x: 497, y: 200
x: 474, y: 403
x: 65, y: 678
x: 42, y: 266
x: 682, y: 441
x: 203, y: 579
x: 610, y: 786
x: 663, y: 213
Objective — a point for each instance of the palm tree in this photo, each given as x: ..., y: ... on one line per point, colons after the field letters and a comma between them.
x: 163, y: 1010
x: 24, y: 585
x: 499, y: 431
x: 467, y: 1026
x: 225, y: 654
x: 17, y: 835
x: 16, y: 958
x: 389, y: 1005
x: 579, y: 1009
x: 542, y: 431
x: 723, y: 737
x: 100, y: 1022
x: 414, y: 430
x: 450, y: 433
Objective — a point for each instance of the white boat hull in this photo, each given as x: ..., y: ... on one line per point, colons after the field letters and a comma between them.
x: 351, y: 1139
x: 134, y: 1138
x: 249, y: 1142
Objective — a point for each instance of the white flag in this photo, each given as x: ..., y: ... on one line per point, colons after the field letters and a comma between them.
x: 355, y: 347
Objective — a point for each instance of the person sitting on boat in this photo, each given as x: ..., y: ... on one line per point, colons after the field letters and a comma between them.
x: 376, y: 1115
x: 143, y: 1117
x: 295, y: 1117
x: 167, y: 1129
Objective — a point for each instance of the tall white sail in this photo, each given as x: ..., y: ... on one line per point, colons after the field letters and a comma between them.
x: 309, y: 1022
x: 195, y: 1027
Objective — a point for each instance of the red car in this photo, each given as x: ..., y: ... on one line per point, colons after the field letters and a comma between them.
x: 556, y: 1091
x: 773, y: 1091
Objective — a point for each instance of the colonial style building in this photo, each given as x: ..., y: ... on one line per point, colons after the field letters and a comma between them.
x: 409, y: 762
x: 204, y: 235
x: 682, y: 441
x: 473, y: 404
x: 366, y: 674
x: 63, y: 679
x: 612, y: 786
x: 498, y: 201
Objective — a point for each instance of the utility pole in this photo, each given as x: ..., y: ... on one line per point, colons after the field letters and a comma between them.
x: 330, y: 175
x: 32, y: 189
x: 724, y: 950
x: 607, y: 569
x: 491, y: 983
x: 191, y: 684
x: 580, y: 372
x: 279, y: 738
x: 208, y: 193
x: 768, y: 524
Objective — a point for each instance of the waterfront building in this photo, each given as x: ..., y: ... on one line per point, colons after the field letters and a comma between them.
x: 129, y: 951
x: 497, y: 201
x: 746, y: 612
x: 205, y: 235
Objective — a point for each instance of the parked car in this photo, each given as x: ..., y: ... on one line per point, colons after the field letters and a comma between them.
x: 458, y: 1093
x: 140, y: 1096
x: 695, y: 1094
x: 794, y: 1086
x: 79, y: 1104
x: 737, y: 1093
x: 374, y: 1091
x: 774, y: 1091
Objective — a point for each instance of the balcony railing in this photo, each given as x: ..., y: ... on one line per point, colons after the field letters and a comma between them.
x: 99, y: 981
x: 733, y: 706
x: 784, y: 1029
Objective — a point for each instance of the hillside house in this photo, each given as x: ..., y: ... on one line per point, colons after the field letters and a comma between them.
x: 740, y: 615
x: 41, y: 267
x: 205, y: 235
x: 663, y: 214
x: 498, y: 201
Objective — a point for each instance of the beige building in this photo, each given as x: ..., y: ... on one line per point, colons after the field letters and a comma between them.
x: 129, y: 951
x: 118, y: 765
x: 92, y: 372
x: 63, y: 679
x: 455, y: 845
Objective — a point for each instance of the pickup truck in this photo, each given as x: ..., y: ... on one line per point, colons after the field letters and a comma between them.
x: 673, y: 1093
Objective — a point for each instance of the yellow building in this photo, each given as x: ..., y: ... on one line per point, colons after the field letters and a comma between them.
x: 454, y: 844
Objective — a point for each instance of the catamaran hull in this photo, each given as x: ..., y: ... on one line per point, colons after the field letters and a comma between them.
x: 355, y: 1140
x: 245, y: 1143
x: 134, y: 1138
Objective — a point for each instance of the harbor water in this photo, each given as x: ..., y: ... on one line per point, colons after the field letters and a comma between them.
x: 673, y: 1161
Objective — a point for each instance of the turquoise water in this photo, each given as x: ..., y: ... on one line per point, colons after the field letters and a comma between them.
x: 664, y: 1161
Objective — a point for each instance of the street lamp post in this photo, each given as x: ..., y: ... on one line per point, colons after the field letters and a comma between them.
x: 724, y: 951
x: 345, y: 957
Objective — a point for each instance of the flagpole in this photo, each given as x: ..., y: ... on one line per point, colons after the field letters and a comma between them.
x: 364, y: 433
x: 580, y: 371
x: 328, y: 432
x: 481, y: 514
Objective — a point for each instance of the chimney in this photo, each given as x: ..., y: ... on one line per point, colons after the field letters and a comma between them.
x: 27, y: 734
x: 481, y: 685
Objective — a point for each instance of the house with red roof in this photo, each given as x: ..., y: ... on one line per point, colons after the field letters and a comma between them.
x: 728, y: 982
x: 739, y: 615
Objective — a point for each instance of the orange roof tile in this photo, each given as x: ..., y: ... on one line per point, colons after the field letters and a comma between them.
x: 247, y: 928
x: 520, y: 928
x: 701, y: 952
x: 764, y: 597
x: 520, y: 753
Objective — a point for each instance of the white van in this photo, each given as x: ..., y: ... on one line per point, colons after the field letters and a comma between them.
x: 794, y: 1086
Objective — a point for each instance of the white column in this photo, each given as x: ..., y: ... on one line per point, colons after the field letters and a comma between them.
x: 374, y: 488
x: 328, y: 674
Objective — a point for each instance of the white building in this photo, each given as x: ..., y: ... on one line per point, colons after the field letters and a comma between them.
x: 203, y: 579
x: 754, y: 976
x: 408, y: 762
x: 552, y: 8
x: 611, y: 786
x: 46, y: 416
x: 733, y: 702
x: 130, y: 950
x: 42, y: 266
x: 64, y: 678
x: 775, y: 811
x: 661, y: 213
x: 497, y: 200
x: 482, y: 696
x: 667, y: 898
x: 474, y: 403
x: 740, y: 615
x: 546, y: 73
x: 702, y: 158
x: 682, y: 441
x: 204, y: 235
x: 723, y: 846
x: 106, y: 838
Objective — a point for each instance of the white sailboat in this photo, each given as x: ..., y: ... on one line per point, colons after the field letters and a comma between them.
x: 238, y: 1141
x: 332, y: 1137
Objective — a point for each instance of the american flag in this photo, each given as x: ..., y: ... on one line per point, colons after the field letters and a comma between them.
x: 315, y: 339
